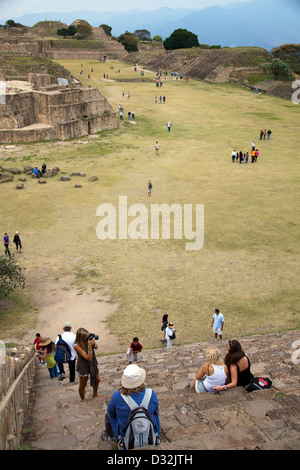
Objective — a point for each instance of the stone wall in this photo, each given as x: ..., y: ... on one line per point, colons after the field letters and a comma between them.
x: 109, y: 50
x: 53, y: 112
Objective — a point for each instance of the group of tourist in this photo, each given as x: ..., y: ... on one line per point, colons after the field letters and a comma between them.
x: 216, y: 375
x: 37, y: 172
x: 16, y: 241
x: 130, y: 114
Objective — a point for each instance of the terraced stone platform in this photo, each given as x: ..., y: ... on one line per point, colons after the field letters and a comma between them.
x: 232, y: 420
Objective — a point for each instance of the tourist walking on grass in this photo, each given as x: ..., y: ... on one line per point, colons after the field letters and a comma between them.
x: 169, y: 126
x: 213, y: 373
x: 87, y: 365
x: 17, y: 242
x: 238, y: 365
x: 157, y: 148
x: 269, y: 134
x: 233, y: 156
x: 217, y: 323
x: 149, y: 188
x: 6, y: 244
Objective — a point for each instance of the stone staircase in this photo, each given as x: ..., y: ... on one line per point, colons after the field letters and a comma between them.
x: 234, y: 419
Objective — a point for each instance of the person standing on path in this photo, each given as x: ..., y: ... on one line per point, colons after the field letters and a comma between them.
x: 217, y: 324
x: 69, y: 338
x: 87, y: 364
x: 36, y: 343
x: 47, y: 355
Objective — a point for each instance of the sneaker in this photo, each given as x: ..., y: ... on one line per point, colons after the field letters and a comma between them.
x: 61, y: 377
x: 106, y: 437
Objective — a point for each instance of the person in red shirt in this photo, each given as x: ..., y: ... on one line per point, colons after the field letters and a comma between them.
x: 36, y: 342
x: 133, y: 350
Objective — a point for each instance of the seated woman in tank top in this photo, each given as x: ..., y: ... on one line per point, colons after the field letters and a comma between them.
x: 213, y: 373
x: 238, y: 364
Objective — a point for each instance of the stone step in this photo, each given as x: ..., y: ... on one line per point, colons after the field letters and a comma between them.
x: 234, y: 419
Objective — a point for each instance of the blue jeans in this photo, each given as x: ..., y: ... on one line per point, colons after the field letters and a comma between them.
x: 53, y: 372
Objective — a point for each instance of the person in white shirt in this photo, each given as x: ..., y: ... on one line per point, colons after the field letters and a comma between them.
x: 213, y: 373
x: 170, y: 332
x: 69, y: 338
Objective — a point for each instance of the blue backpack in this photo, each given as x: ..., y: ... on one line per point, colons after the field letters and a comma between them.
x: 62, y: 351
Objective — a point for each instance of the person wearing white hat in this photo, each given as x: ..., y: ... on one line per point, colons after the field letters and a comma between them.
x: 133, y: 385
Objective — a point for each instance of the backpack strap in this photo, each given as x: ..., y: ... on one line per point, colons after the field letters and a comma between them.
x: 132, y: 404
x: 147, y: 398
x: 129, y: 401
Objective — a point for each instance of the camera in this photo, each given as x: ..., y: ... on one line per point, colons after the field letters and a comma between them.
x: 93, y: 336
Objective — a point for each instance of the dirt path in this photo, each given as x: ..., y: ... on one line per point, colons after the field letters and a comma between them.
x: 59, y: 301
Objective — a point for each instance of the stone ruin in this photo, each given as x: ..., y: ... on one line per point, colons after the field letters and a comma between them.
x: 39, y: 109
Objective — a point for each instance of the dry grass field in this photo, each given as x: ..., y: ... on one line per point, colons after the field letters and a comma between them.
x: 249, y: 264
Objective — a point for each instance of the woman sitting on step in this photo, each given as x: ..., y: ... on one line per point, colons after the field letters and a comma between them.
x: 213, y: 373
x: 238, y: 364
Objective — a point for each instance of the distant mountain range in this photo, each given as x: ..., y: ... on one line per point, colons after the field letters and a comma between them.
x: 263, y: 23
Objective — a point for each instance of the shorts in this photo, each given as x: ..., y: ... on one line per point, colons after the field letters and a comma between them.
x: 218, y: 331
x: 199, y: 387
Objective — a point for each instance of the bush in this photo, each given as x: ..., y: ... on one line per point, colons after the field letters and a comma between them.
x: 280, y: 69
x: 11, y: 276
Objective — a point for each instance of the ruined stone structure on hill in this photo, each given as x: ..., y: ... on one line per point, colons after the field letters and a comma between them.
x: 41, y: 110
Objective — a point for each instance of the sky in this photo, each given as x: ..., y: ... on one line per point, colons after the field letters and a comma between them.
x: 16, y: 8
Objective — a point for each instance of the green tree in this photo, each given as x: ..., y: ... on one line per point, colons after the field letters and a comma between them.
x: 157, y: 38
x: 106, y: 28
x: 71, y: 30
x: 129, y: 41
x: 11, y: 276
x: 280, y: 69
x: 181, y: 39
x: 84, y: 28
x: 289, y: 53
x: 62, y: 32
x: 142, y: 34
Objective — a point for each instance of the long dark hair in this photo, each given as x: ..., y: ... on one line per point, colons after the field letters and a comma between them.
x: 234, y: 354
